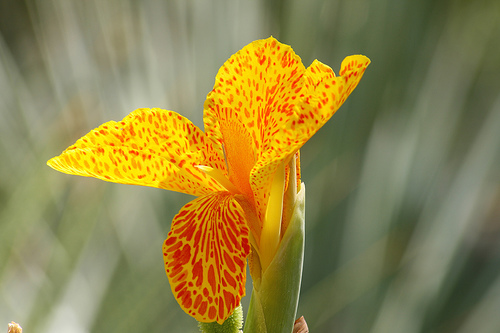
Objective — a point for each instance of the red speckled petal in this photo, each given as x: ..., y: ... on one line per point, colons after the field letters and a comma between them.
x: 205, y: 257
x: 150, y: 147
x: 324, y: 93
x: 254, y: 95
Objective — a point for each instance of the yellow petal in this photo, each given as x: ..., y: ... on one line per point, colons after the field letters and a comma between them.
x: 254, y: 95
x: 271, y: 226
x: 150, y: 147
x: 205, y: 257
x: 323, y: 94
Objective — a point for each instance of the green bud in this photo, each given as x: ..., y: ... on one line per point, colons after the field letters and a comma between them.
x: 233, y: 324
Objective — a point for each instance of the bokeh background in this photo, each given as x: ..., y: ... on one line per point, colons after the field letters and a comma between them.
x: 403, y: 183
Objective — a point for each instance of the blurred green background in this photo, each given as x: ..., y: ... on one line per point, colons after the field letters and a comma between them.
x: 403, y: 184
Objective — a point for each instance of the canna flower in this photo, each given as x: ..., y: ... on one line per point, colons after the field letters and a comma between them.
x: 263, y: 108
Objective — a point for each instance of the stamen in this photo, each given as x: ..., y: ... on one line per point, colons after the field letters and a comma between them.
x: 271, y: 227
x: 219, y: 177
x: 225, y: 158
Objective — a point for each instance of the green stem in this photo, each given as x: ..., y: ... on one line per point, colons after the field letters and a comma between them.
x: 274, y: 300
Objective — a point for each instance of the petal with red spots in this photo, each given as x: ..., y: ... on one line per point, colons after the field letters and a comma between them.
x: 254, y: 94
x: 150, y: 147
x: 205, y: 256
x: 324, y: 93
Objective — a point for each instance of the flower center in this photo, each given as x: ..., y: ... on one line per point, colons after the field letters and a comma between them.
x: 240, y: 156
